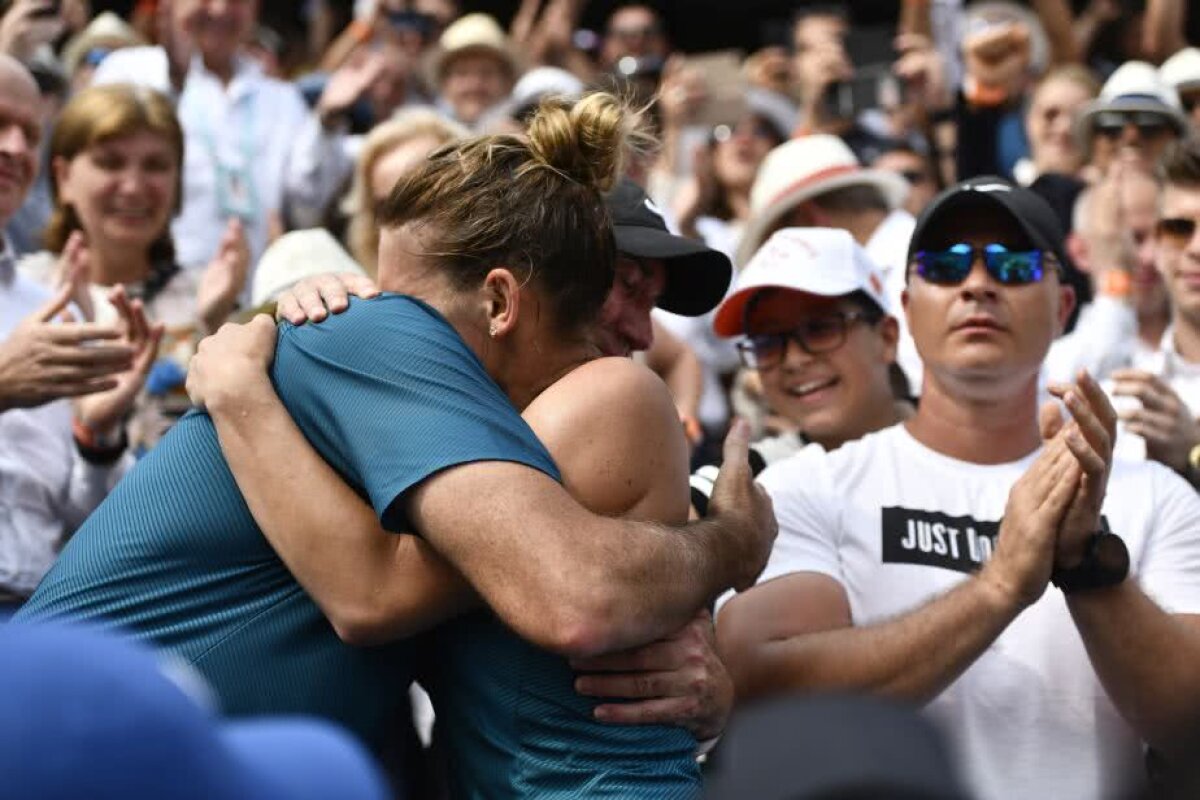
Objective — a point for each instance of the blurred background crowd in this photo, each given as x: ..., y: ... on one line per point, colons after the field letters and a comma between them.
x: 274, y: 117
x: 176, y: 164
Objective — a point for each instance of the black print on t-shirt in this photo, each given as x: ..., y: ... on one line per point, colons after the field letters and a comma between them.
x: 933, y: 539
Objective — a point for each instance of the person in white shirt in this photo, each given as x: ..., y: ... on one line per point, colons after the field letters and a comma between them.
x: 916, y: 563
x: 1113, y: 242
x: 816, y: 181
x: 52, y: 473
x: 1165, y: 383
x: 251, y: 142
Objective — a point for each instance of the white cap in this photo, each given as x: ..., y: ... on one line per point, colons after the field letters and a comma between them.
x: 542, y: 82
x: 295, y: 256
x: 821, y: 261
x: 800, y: 170
x: 1182, y: 71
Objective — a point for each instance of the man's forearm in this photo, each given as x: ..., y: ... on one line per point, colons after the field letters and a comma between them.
x: 913, y: 657
x: 1146, y: 660
x: 373, y: 585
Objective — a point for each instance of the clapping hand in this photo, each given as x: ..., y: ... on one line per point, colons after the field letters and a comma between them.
x: 103, y: 412
x: 224, y: 277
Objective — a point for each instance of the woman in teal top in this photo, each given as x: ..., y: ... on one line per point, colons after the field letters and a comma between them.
x: 508, y: 240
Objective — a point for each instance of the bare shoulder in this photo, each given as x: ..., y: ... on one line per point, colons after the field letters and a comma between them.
x: 613, y: 430
x: 599, y: 392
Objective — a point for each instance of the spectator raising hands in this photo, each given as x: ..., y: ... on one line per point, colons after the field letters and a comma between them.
x: 29, y: 24
x: 224, y: 277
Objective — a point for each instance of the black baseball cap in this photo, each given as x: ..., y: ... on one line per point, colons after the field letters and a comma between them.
x: 820, y: 747
x: 1032, y: 214
x: 697, y: 275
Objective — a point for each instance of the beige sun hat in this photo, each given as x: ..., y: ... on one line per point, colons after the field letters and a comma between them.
x: 800, y: 170
x: 106, y: 30
x: 295, y: 256
x: 473, y: 33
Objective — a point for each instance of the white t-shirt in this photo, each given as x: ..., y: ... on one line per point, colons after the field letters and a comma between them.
x: 1181, y: 375
x: 898, y: 524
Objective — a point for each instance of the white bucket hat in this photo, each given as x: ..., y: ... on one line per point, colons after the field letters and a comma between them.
x: 1135, y: 86
x: 821, y: 261
x: 295, y: 256
x: 800, y: 170
x: 1182, y: 71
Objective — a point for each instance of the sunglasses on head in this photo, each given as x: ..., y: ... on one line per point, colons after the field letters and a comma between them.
x: 1178, y: 230
x: 1009, y: 267
x: 1112, y: 123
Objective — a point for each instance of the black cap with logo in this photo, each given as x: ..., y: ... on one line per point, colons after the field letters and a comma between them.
x: 697, y: 275
x: 1025, y: 207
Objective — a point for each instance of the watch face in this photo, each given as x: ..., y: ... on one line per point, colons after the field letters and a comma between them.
x: 1194, y: 457
x: 1111, y: 555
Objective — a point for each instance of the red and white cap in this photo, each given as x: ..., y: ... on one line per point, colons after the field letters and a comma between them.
x: 821, y: 261
x: 800, y: 170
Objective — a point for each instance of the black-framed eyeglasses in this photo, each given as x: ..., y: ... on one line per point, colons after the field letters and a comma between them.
x: 816, y: 336
x: 1112, y: 123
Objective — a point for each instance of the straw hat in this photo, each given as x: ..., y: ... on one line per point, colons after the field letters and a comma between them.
x: 473, y: 33
x: 800, y: 170
x: 106, y: 30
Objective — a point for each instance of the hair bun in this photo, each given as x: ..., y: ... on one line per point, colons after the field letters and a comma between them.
x: 586, y: 140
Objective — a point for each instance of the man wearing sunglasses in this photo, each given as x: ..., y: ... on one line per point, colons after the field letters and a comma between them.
x: 1135, y: 117
x: 925, y: 562
x: 1165, y: 383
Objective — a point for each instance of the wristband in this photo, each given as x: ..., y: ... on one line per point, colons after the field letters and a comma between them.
x: 100, y: 450
x: 1105, y: 563
x: 982, y: 96
x: 360, y: 30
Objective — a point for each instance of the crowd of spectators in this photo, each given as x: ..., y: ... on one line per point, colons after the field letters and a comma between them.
x: 882, y: 247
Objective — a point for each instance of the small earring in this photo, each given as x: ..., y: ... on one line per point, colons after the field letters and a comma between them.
x: 492, y: 331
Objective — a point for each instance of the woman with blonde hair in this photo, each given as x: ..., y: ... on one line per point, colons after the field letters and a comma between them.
x: 117, y: 160
x: 389, y: 152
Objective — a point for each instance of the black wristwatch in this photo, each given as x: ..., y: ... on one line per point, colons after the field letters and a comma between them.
x: 1105, y: 563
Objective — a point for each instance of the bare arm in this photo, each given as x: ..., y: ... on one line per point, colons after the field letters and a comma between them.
x: 794, y: 632
x: 372, y: 585
x: 1163, y: 29
x: 1057, y: 19
x: 1146, y: 660
x: 614, y: 584
x: 323, y: 546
